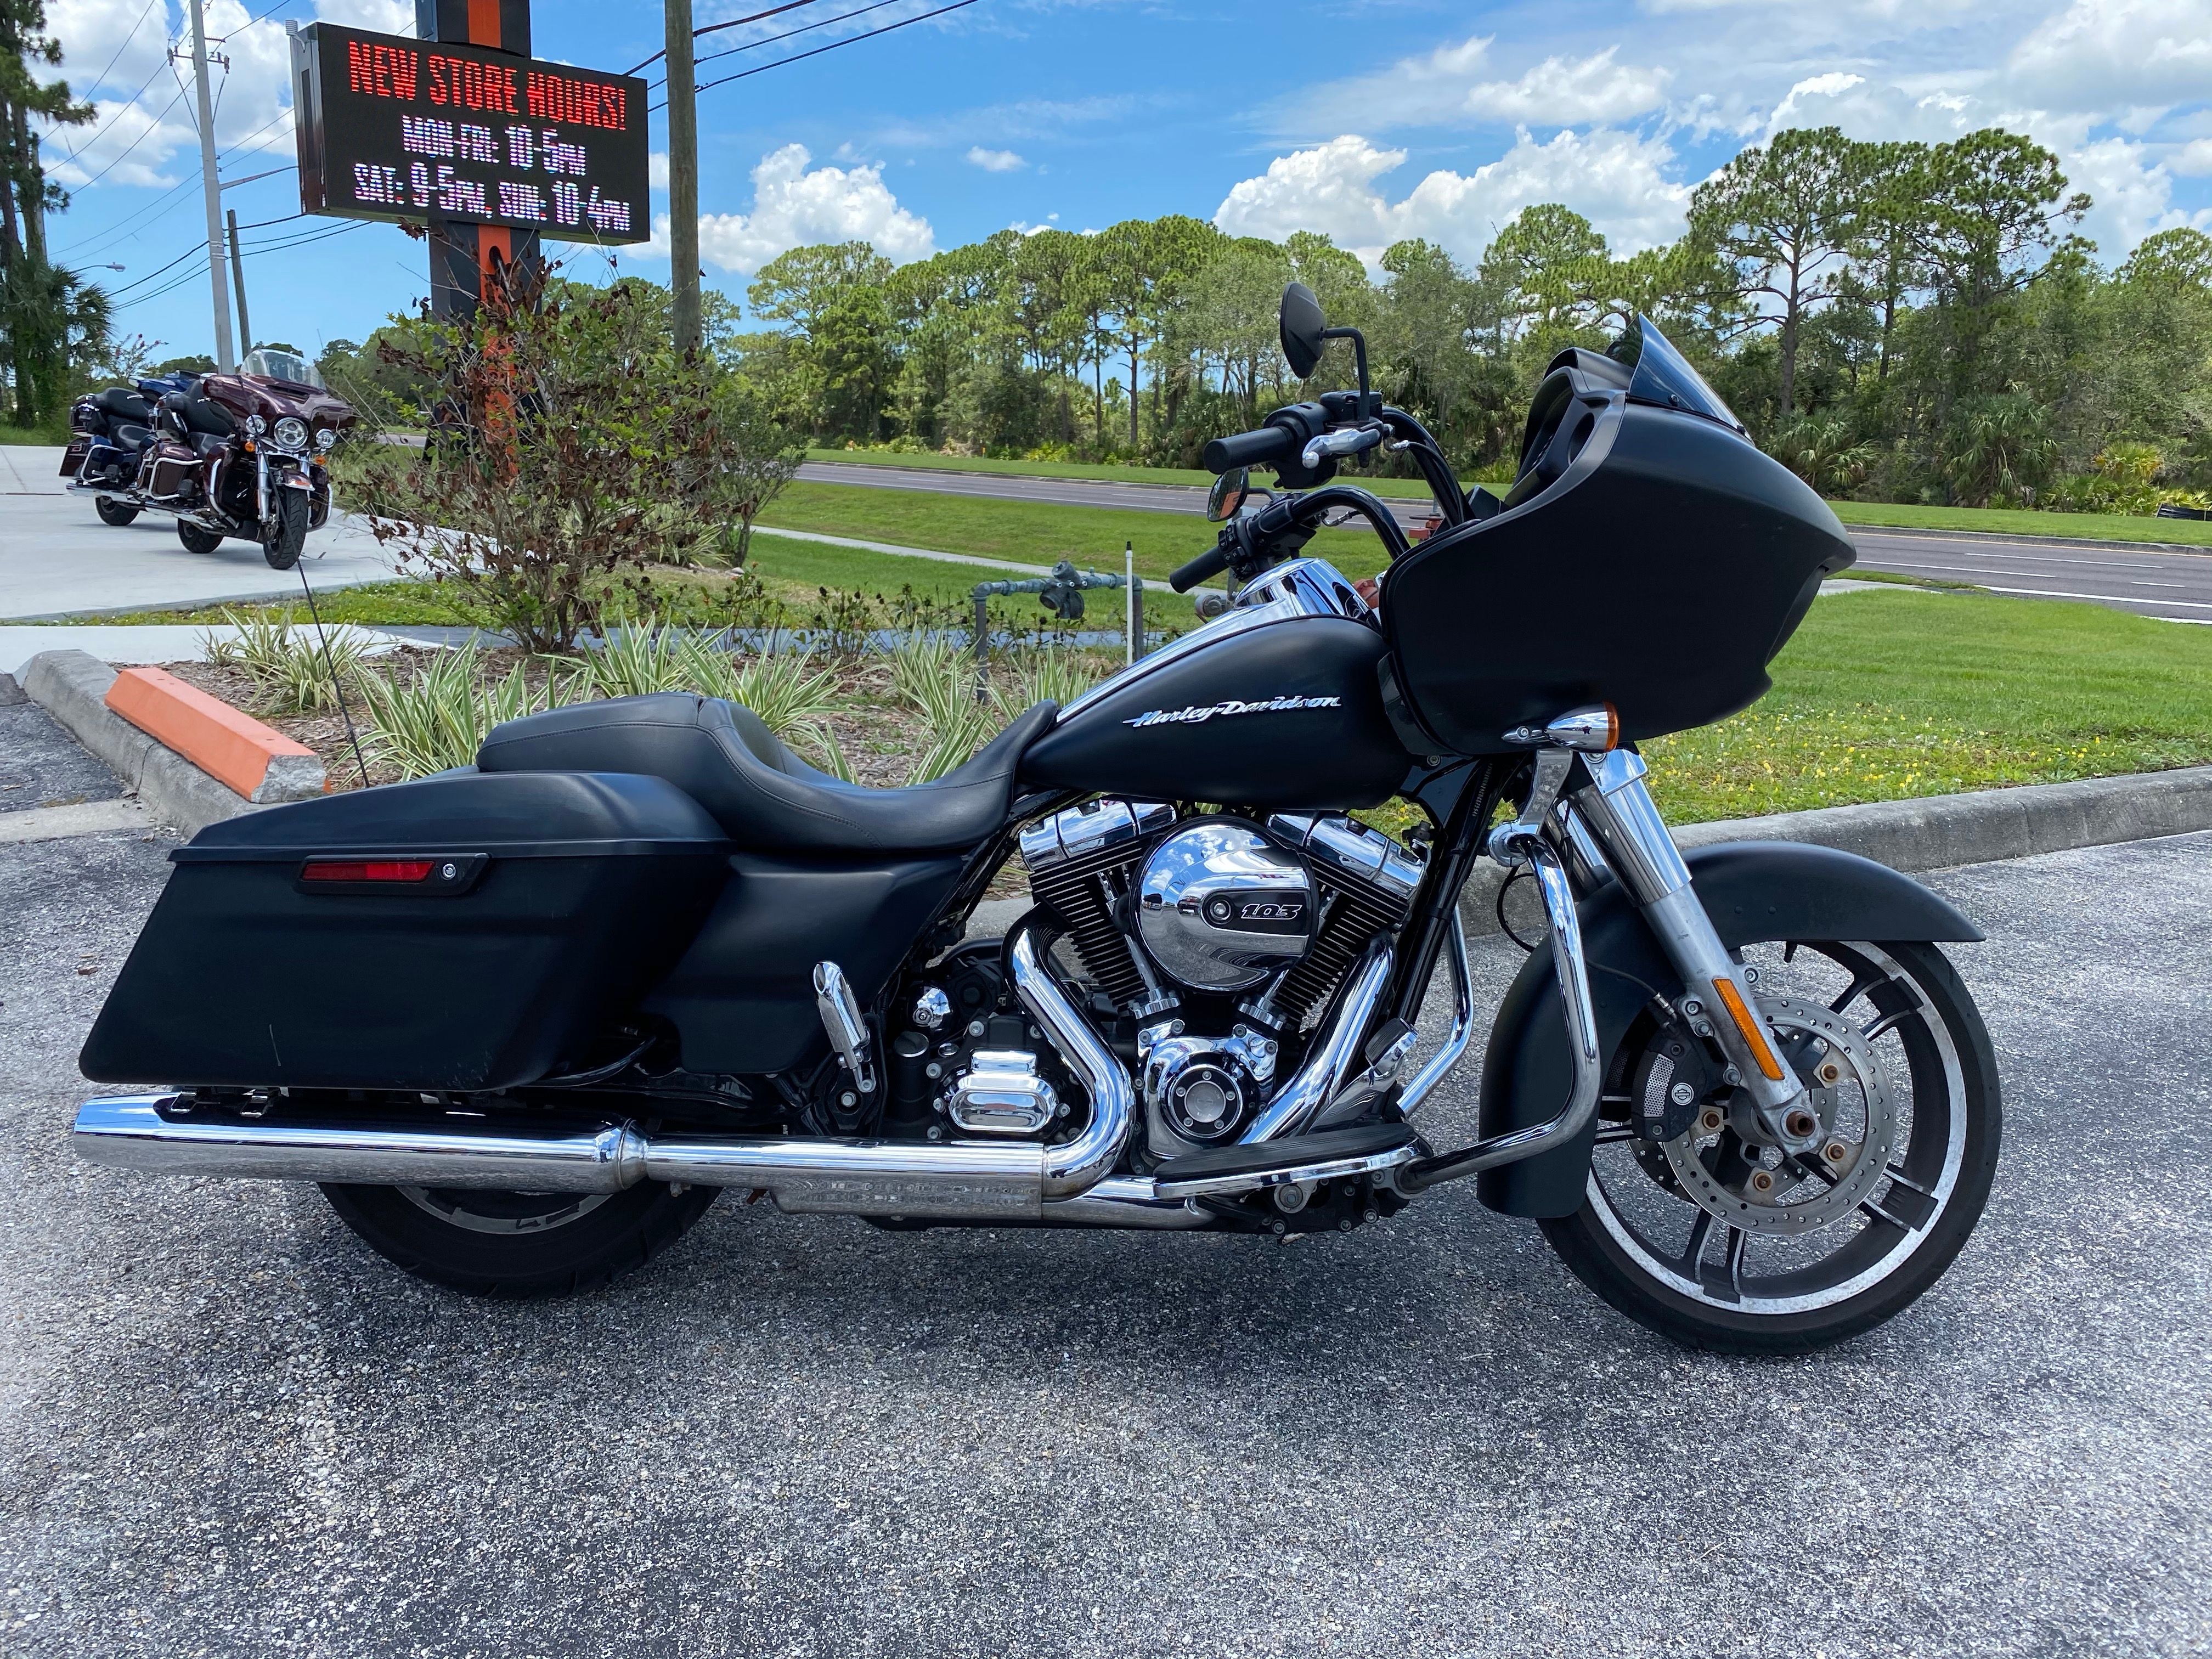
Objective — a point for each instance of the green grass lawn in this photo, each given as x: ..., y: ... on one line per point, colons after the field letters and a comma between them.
x: 2088, y: 526
x: 2020, y: 521
x: 1885, y: 695
x: 33, y: 437
x: 1029, y: 532
x: 1112, y: 473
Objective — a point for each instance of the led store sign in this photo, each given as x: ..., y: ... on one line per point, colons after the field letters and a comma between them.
x: 411, y: 129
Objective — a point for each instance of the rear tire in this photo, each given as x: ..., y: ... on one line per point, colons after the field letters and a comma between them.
x: 112, y: 512
x: 197, y: 540
x: 517, y: 1245
x: 282, y: 548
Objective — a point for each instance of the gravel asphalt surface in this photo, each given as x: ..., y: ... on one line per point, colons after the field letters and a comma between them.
x: 2145, y: 581
x: 227, y: 1428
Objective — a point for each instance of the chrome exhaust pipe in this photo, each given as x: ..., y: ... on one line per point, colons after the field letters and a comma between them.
x: 164, y: 1133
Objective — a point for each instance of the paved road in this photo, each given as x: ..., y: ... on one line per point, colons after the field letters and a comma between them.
x: 226, y: 1428
x: 2175, y: 586
x: 57, y: 559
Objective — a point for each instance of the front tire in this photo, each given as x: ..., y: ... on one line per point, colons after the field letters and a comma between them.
x: 518, y: 1244
x: 282, y: 548
x: 196, y: 539
x: 1656, y: 1235
x: 114, y: 512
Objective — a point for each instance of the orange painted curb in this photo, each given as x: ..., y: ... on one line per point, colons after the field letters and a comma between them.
x: 228, y: 746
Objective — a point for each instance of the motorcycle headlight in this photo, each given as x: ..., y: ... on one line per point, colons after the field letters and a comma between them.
x: 291, y: 432
x: 327, y: 438
x: 256, y: 425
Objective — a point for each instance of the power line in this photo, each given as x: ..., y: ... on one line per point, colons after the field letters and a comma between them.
x: 121, y: 109
x: 150, y: 127
x: 716, y: 28
x: 116, y: 55
x: 855, y: 40
x: 820, y: 23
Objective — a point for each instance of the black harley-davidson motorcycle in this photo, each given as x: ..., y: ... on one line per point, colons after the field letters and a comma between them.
x: 109, y: 430
x: 240, y: 454
x: 641, y: 953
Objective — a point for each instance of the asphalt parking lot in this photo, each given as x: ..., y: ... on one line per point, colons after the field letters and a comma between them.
x: 227, y: 1428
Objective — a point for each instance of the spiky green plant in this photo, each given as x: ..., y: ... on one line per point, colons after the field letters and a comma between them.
x: 293, y: 670
x: 1036, y: 677
x: 933, y: 677
x: 436, y: 715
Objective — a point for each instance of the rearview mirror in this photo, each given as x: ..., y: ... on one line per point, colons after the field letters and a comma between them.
x: 1229, y: 492
x: 1302, y: 328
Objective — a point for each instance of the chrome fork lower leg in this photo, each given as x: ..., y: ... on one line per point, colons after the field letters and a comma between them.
x: 1524, y: 842
x: 1720, y: 999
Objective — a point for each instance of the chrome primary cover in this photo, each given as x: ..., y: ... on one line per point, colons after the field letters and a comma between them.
x: 1220, y: 907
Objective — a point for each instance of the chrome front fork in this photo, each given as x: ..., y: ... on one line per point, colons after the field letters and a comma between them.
x: 1720, y: 999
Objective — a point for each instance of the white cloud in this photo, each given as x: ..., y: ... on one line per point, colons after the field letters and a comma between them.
x: 1447, y: 87
x: 2193, y: 159
x: 793, y: 206
x: 656, y: 169
x: 2133, y: 192
x: 1615, y: 178
x: 2104, y: 54
x: 144, y: 105
x: 1562, y: 92
x: 994, y: 161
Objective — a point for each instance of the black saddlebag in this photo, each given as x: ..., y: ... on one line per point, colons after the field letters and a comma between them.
x: 465, y: 932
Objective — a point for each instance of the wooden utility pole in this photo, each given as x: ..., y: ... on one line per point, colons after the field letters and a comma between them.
x: 211, y: 191
x: 238, y: 281
x: 682, y: 177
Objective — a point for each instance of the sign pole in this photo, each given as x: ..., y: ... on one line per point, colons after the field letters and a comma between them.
x: 472, y: 254
x: 212, y: 189
x: 682, y: 177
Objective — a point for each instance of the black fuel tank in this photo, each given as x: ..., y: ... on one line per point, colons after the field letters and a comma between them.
x: 1284, y: 714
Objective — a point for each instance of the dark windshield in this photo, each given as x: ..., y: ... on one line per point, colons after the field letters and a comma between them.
x: 1663, y: 375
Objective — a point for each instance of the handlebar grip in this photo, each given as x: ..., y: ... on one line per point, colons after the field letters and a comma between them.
x: 1269, y: 444
x: 1211, y: 562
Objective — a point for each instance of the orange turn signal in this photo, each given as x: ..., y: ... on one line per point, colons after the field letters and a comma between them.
x: 1753, y: 1038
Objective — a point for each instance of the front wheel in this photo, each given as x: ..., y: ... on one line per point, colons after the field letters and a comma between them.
x: 115, y: 513
x: 1718, y: 1241
x: 290, y: 533
x: 518, y: 1244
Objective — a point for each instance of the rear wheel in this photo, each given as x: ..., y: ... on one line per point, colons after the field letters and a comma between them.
x: 1719, y: 1239
x: 282, y: 550
x: 197, y: 540
x: 518, y: 1244
x: 112, y: 512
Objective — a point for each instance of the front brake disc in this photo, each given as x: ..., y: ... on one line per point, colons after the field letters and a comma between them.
x: 1800, y: 1202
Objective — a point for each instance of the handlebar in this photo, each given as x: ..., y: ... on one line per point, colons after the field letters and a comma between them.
x: 1265, y: 448
x: 1211, y: 562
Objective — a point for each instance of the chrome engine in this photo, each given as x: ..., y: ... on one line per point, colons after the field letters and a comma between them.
x: 1217, y: 937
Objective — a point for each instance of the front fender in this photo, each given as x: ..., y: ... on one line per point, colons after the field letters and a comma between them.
x: 1755, y: 892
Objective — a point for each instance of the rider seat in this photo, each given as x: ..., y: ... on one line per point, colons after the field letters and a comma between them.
x: 123, y: 404
x: 724, y: 756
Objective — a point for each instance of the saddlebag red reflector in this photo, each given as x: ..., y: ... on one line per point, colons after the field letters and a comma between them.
x: 368, y: 870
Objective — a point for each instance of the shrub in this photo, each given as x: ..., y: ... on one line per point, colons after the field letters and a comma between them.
x: 292, y: 672
x: 570, y: 442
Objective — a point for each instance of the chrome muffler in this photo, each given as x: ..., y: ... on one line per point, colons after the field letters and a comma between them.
x: 165, y: 1134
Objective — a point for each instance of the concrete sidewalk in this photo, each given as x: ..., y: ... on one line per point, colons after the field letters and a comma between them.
x: 58, y: 559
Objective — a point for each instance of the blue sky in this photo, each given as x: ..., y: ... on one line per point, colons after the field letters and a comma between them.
x: 1368, y: 119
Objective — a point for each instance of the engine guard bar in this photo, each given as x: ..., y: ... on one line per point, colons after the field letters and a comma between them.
x: 1581, y: 1039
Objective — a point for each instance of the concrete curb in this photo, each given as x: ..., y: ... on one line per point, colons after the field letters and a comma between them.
x: 1940, y: 832
x: 72, y: 686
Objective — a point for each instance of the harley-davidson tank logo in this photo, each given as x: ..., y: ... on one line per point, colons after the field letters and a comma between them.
x: 1204, y: 711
